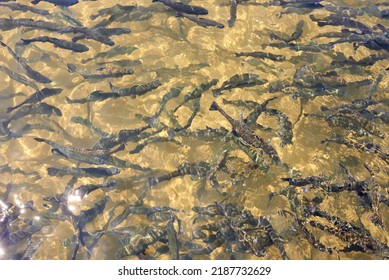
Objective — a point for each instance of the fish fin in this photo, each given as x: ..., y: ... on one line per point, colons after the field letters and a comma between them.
x: 71, y: 68
x: 34, y: 2
x: 214, y: 106
x: 39, y: 139
x: 52, y: 171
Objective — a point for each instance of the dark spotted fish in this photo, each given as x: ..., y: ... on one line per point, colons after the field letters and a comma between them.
x: 139, y: 243
x: 172, y: 238
x: 199, y: 169
x: 19, y: 78
x: 37, y: 97
x: 239, y: 81
x: 286, y: 129
x: 204, y: 22
x: 25, y: 68
x: 84, y: 190
x: 89, y: 215
x: 233, y: 10
x: 184, y: 8
x: 258, y: 54
x: 82, y: 172
x: 100, y: 73
x: 262, y: 221
x: 243, y: 131
x: 296, y: 34
x: 374, y: 196
x: 63, y: 44
x: 64, y: 3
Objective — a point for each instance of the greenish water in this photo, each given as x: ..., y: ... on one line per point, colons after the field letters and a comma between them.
x: 183, y: 55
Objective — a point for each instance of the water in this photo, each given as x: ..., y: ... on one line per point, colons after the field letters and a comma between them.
x: 179, y: 53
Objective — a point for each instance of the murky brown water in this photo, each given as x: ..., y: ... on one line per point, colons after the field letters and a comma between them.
x: 178, y: 52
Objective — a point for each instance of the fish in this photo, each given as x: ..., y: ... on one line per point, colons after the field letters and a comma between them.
x: 258, y: 110
x: 241, y: 81
x: 204, y: 22
x: 10, y: 23
x: 374, y: 196
x: 172, y: 238
x: 83, y: 172
x: 338, y: 20
x: 34, y: 109
x: 295, y: 35
x: 23, y: 66
x: 63, y: 44
x: 308, y: 235
x: 150, y: 140
x: 122, y: 62
x: 197, y: 169
x: 89, y: 215
x: 126, y: 14
x: 262, y: 221
x: 89, y: 124
x: 113, y: 10
x: 122, y: 137
x: 64, y: 3
x: 25, y: 8
x: 358, y: 104
x: 184, y: 8
x: 243, y: 131
x: 112, y: 53
x: 100, y: 73
x: 173, y: 93
x: 286, y: 129
x: 233, y: 10
x: 84, y: 190
x: 255, y: 156
x: 274, y: 57
x: 19, y: 78
x: 101, y: 32
x: 136, y: 90
x: 36, y: 97
x: 70, y: 153
x: 138, y: 243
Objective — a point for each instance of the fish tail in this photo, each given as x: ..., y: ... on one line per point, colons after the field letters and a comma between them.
x: 52, y: 171
x: 68, y: 100
x: 10, y: 109
x: 214, y: 106
x: 34, y: 2
x: 39, y: 139
x: 71, y: 68
x: 26, y: 41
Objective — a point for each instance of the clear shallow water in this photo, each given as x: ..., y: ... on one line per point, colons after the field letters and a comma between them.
x: 181, y: 53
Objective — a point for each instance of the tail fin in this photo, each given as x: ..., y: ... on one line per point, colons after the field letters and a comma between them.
x: 39, y: 139
x: 214, y: 106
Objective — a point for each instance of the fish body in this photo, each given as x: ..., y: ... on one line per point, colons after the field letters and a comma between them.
x: 63, y: 44
x: 243, y: 131
x: 233, y: 10
x: 204, y: 22
x: 87, y: 189
x: 70, y: 153
x: 243, y: 80
x: 82, y: 172
x: 89, y: 215
x: 25, y: 68
x: 274, y: 57
x: 184, y: 8
x: 37, y: 97
x: 139, y: 243
x: 34, y: 109
x: 64, y: 3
